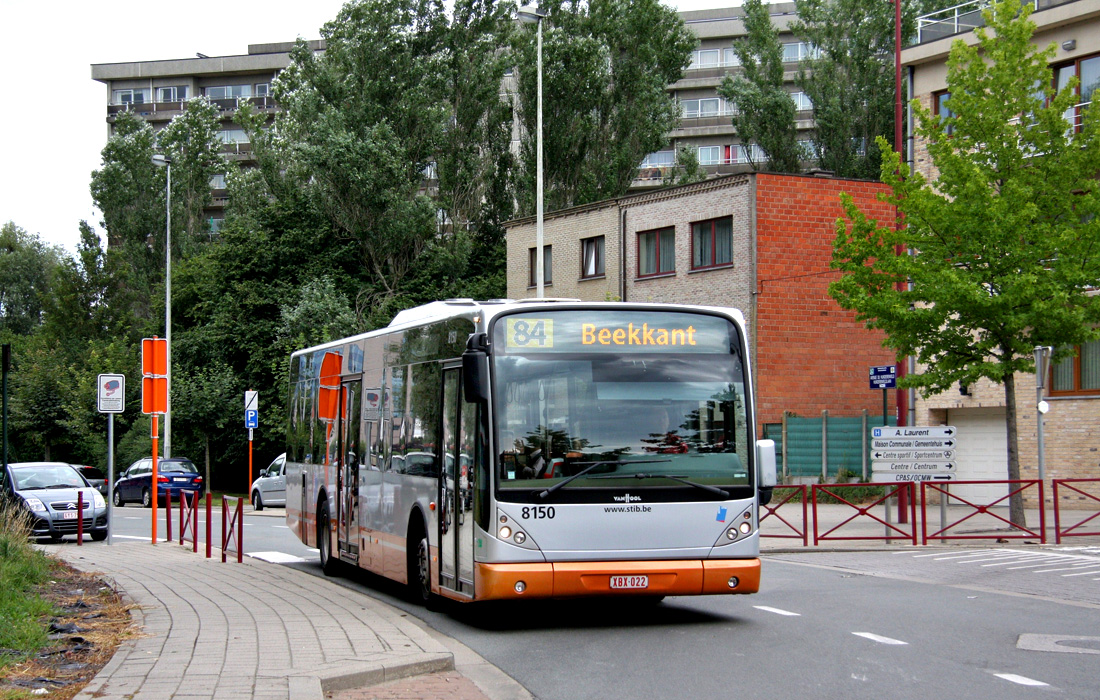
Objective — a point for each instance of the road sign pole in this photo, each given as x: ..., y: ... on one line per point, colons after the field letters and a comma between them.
x: 110, y: 475
x: 884, y: 404
x: 249, y: 461
x: 153, y: 485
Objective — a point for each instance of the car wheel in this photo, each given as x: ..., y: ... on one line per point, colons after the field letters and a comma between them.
x: 146, y: 498
x: 99, y: 536
x: 329, y: 565
x: 419, y: 571
x: 257, y: 502
x: 55, y: 538
x: 117, y: 499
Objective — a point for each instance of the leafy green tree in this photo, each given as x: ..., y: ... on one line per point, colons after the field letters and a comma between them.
x: 126, y: 190
x: 27, y: 268
x: 607, y: 65
x: 38, y: 394
x: 191, y: 141
x: 1002, y: 247
x: 206, y: 400
x: 851, y: 80
x: 765, y: 112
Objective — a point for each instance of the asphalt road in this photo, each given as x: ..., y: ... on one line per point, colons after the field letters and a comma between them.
x: 950, y: 623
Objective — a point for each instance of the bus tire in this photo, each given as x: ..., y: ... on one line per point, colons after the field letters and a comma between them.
x: 329, y: 564
x: 418, y: 564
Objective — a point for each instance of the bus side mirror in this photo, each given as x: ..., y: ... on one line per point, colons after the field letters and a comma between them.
x: 475, y: 368
x: 765, y: 469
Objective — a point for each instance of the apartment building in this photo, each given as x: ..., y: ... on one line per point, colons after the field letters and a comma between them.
x: 157, y: 90
x: 1072, y: 426
x: 759, y: 242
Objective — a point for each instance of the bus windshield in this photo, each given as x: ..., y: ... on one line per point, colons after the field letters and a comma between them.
x: 636, y: 399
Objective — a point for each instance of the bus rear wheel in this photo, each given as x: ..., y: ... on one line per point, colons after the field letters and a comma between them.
x: 329, y: 565
x: 419, y: 567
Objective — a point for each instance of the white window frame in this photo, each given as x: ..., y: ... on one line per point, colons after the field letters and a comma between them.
x: 593, y: 260
x: 119, y: 96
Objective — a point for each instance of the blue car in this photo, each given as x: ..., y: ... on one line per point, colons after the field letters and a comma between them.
x: 51, y: 493
x: 175, y: 475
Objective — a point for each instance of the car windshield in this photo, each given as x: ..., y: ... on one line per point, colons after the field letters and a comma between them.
x: 185, y: 466
x: 638, y: 416
x: 47, y: 476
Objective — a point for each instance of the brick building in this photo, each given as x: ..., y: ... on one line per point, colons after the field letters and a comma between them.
x: 758, y: 242
x: 1072, y: 426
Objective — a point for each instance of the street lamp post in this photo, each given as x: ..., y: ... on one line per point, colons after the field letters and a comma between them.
x: 531, y: 13
x: 165, y: 161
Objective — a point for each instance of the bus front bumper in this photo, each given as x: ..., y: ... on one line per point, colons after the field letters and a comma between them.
x: 594, y: 578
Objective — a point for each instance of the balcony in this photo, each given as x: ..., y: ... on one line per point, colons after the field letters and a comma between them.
x: 964, y: 18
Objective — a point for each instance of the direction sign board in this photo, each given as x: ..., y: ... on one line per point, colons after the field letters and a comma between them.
x: 251, y: 410
x: 913, y: 443
x: 895, y: 477
x: 111, y: 393
x: 920, y: 466
x: 884, y: 377
x: 914, y: 431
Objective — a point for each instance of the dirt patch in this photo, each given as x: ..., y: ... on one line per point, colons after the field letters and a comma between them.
x: 91, y: 620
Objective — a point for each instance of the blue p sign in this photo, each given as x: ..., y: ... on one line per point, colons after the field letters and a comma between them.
x: 252, y: 418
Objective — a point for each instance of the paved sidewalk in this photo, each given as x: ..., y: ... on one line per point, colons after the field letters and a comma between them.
x: 214, y: 631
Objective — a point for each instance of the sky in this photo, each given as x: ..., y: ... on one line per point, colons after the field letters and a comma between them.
x: 53, y: 116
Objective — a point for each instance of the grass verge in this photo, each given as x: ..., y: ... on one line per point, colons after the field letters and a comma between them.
x: 22, y: 568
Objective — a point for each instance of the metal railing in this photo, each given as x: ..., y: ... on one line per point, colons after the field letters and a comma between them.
x: 772, y: 509
x: 1013, y: 531
x: 964, y: 17
x: 1073, y: 530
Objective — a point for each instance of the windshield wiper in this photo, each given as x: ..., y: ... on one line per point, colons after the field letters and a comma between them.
x: 642, y: 475
x: 590, y: 467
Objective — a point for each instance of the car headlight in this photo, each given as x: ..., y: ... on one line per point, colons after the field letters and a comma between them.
x: 35, y: 505
x: 97, y: 499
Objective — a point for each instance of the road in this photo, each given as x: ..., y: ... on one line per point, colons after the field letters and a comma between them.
x: 917, y: 623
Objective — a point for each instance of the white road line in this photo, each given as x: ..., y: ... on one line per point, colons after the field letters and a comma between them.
x: 1016, y: 560
x: 1082, y: 573
x: 880, y: 640
x: 1063, y: 568
x: 276, y: 557
x: 777, y: 611
x: 1021, y: 680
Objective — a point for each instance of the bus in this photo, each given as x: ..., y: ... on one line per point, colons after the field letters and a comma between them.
x: 533, y: 449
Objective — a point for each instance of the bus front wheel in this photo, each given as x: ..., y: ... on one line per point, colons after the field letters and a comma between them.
x: 329, y: 565
x: 419, y: 571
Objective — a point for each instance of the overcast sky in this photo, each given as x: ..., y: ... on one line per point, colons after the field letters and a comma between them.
x: 53, y: 117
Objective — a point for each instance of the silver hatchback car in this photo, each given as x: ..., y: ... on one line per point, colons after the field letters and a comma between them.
x: 270, y: 488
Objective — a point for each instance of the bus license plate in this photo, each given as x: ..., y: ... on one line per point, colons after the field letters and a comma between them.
x: 619, y: 582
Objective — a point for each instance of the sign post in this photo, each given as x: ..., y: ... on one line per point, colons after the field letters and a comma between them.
x: 251, y: 421
x: 154, y: 400
x: 110, y: 399
x: 886, y: 377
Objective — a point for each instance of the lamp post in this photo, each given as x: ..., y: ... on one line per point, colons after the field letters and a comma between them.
x: 1042, y: 364
x: 528, y: 14
x: 165, y: 161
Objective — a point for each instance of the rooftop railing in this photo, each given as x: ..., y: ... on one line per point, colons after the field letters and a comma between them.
x: 964, y: 17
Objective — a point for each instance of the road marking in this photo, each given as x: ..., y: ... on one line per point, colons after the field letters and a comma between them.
x: 880, y: 640
x: 129, y: 537
x: 777, y: 611
x: 1057, y: 643
x: 1021, y: 680
x: 276, y: 557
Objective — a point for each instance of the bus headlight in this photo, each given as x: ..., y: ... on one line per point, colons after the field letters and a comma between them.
x: 505, y: 532
x: 731, y: 533
x: 745, y: 528
x: 520, y: 538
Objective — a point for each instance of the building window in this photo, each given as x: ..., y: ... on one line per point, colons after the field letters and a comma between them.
x: 704, y: 107
x: 217, y: 182
x: 941, y: 110
x: 657, y: 252
x: 233, y: 136
x: 729, y: 58
x: 592, y: 260
x: 705, y: 58
x: 134, y: 96
x: 225, y: 92
x: 263, y: 89
x: 547, y: 266
x: 1089, y: 71
x: 712, y: 243
x: 172, y: 93
x: 799, y: 51
x: 710, y: 155
x: 1079, y: 374
x: 801, y: 102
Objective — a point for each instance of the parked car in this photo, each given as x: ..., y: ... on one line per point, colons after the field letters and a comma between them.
x: 50, y: 492
x: 270, y: 488
x: 94, y: 476
x: 177, y: 476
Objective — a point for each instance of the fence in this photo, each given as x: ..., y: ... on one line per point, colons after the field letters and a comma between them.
x: 855, y: 518
x: 819, y: 448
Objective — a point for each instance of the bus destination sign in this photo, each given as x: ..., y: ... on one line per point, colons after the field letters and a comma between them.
x: 622, y: 332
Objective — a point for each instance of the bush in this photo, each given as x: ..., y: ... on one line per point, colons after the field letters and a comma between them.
x: 22, y: 567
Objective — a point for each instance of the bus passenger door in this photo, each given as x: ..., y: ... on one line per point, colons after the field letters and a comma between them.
x: 455, y: 489
x: 347, y: 478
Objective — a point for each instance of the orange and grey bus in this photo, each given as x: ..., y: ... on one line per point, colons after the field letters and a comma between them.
x: 533, y: 449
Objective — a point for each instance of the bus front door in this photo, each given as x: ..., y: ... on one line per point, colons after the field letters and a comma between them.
x: 456, y: 541
x: 347, y: 480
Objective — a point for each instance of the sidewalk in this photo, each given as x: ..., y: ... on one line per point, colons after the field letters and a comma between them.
x: 214, y: 631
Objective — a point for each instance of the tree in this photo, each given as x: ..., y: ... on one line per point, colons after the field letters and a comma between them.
x: 205, y: 400
x: 191, y: 141
x: 764, y: 110
x: 27, y: 269
x: 1003, y: 244
x: 607, y: 65
x: 850, y: 81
